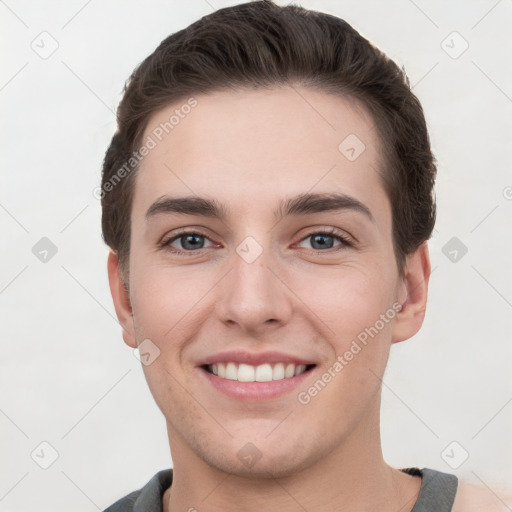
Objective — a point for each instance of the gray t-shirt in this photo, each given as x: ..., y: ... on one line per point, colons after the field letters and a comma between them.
x: 436, y: 495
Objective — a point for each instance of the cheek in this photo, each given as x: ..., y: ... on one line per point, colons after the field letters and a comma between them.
x: 348, y: 301
x: 358, y: 308
x: 165, y: 300
x: 167, y: 389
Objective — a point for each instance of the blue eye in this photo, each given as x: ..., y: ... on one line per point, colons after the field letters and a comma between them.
x: 192, y: 241
x: 324, y: 240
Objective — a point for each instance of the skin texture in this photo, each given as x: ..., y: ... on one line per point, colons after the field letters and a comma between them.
x: 476, y: 498
x: 248, y: 150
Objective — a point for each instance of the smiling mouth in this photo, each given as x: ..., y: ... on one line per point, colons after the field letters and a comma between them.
x: 262, y: 373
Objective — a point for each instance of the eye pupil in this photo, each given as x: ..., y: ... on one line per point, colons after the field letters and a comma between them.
x: 322, y: 244
x: 186, y: 239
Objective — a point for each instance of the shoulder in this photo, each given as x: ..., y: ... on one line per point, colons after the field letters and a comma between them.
x: 476, y: 498
x: 147, y: 498
x: 124, y: 504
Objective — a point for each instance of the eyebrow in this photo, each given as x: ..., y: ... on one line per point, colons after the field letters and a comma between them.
x: 303, y: 204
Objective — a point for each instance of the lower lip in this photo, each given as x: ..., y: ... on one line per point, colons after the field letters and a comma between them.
x: 255, y: 391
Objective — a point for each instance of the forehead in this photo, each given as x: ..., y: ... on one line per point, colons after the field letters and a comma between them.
x: 247, y: 146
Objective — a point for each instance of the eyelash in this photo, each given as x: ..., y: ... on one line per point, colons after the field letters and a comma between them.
x: 345, y: 242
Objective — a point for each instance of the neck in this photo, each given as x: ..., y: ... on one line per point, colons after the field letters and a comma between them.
x: 353, y: 476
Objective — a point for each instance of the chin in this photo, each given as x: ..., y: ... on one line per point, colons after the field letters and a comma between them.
x: 263, y: 458
x: 275, y: 467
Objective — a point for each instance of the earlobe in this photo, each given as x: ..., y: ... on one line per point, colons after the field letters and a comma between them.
x: 415, y: 285
x: 121, y: 299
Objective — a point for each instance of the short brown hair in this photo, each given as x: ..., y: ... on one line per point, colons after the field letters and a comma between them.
x: 260, y: 44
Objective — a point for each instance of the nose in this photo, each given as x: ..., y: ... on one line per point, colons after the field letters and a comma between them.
x: 254, y: 295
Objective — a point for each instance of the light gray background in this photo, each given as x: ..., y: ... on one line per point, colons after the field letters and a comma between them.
x: 68, y: 379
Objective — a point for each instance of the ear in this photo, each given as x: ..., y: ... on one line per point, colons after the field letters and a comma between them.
x: 121, y: 299
x: 413, y: 295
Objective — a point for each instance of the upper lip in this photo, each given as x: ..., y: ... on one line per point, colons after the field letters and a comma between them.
x: 254, y: 358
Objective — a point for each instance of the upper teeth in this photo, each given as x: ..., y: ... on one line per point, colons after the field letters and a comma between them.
x: 262, y: 373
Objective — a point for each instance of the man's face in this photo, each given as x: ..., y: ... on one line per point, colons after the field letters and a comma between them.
x: 257, y: 289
